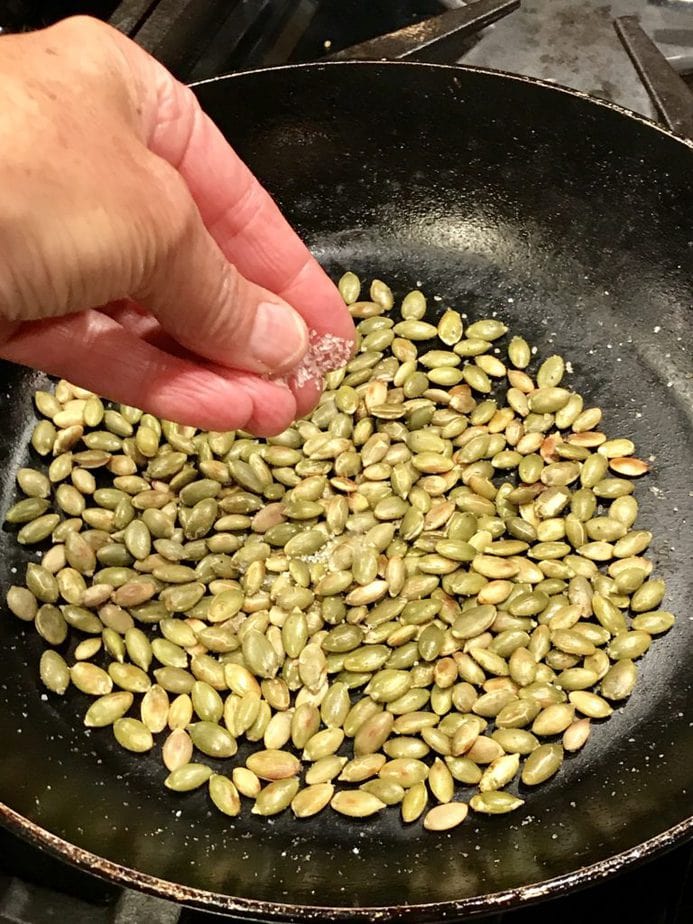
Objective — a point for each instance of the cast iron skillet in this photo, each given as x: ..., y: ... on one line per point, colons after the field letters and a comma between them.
x: 569, y: 219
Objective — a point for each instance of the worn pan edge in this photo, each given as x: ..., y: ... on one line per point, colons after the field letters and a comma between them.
x: 281, y: 911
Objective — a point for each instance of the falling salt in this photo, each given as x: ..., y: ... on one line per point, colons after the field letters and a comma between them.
x: 326, y: 352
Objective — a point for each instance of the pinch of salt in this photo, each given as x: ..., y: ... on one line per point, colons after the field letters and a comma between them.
x: 326, y: 352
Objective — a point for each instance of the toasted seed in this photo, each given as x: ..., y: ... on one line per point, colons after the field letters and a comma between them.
x: 405, y: 771
x: 312, y: 799
x: 515, y: 740
x: 275, y: 797
x: 177, y: 750
x: 273, y: 765
x: 590, y: 704
x: 654, y: 623
x: 499, y: 772
x: 356, y: 803
x: 154, y: 708
x: 648, y: 596
x: 26, y: 510
x: 180, y: 712
x: 631, y: 644
x: 54, y: 672
x: 107, y: 709
x: 576, y: 678
x: 213, y: 740
x: 188, y: 777
x: 495, y: 803
x: 519, y: 352
x: 440, y: 781
x: 50, y: 624
x: 246, y: 782
x: 619, y: 681
x: 224, y: 795
x: 575, y: 736
x: 22, y: 603
x: 387, y: 791
x: 38, y: 529
x: 362, y: 768
x: 446, y: 816
x: 132, y: 735
x: 553, y: 720
x: 88, y: 678
x: 87, y: 649
x: 373, y: 733
x: 542, y: 763
x: 325, y: 769
x: 414, y: 802
x: 129, y: 677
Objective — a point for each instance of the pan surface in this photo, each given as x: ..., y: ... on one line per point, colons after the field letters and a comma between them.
x: 570, y: 220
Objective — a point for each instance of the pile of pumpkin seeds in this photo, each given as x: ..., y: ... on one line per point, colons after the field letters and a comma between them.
x: 420, y: 595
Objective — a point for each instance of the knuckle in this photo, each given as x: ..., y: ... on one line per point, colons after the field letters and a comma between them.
x: 82, y: 30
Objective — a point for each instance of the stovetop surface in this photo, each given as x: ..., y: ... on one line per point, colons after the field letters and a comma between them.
x: 570, y: 42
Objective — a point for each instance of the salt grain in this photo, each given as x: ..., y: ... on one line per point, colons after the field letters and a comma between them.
x: 326, y: 352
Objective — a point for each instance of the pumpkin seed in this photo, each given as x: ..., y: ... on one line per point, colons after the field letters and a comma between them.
x: 107, y: 709
x: 132, y: 735
x: 312, y: 799
x: 495, y: 802
x: 224, y: 795
x: 275, y: 797
x: 542, y: 764
x: 356, y: 803
x: 444, y: 817
x: 54, y: 672
x: 188, y: 777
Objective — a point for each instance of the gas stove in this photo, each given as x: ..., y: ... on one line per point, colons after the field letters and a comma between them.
x: 570, y: 42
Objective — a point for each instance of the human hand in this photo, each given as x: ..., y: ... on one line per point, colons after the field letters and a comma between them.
x: 139, y: 257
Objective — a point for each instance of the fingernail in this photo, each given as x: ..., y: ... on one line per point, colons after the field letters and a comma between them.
x: 279, y: 337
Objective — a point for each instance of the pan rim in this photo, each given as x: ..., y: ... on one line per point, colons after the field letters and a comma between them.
x: 475, y: 905
x: 471, y: 906
x: 456, y: 68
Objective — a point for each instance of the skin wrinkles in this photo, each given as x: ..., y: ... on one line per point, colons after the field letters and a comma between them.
x: 139, y: 253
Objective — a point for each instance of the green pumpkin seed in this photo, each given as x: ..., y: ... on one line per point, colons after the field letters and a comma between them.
x: 38, y: 529
x: 188, y: 777
x: 542, y: 764
x: 312, y: 799
x: 213, y: 740
x: 654, y: 623
x: 404, y: 770
x: 553, y: 720
x: 495, y: 803
x: 356, y: 803
x: 54, y: 672
x: 132, y: 735
x: 275, y: 797
x: 24, y: 511
x: 22, y: 603
x: 107, y: 709
x: 224, y: 795
x: 177, y: 750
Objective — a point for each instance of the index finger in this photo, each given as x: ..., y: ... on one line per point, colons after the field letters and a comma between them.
x: 237, y: 211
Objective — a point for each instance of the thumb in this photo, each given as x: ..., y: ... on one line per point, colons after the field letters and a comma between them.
x: 209, y: 307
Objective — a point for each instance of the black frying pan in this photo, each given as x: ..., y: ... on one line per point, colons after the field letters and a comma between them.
x: 572, y: 220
